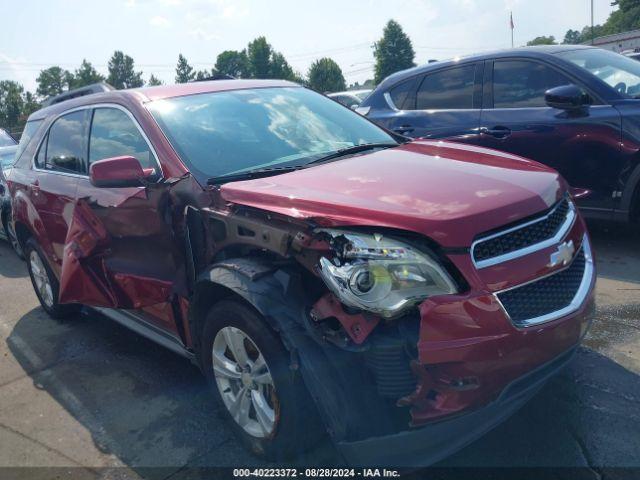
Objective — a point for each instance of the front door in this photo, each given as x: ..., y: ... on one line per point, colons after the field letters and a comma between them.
x: 583, y: 146
x: 120, y: 251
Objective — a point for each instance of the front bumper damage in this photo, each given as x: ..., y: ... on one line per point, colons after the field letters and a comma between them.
x: 432, y: 443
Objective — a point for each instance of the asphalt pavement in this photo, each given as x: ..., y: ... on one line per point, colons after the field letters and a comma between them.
x: 92, y: 398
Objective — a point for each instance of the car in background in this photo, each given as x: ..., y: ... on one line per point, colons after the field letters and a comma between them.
x: 328, y: 276
x: 574, y: 108
x: 6, y: 140
x: 633, y: 53
x: 7, y: 157
x: 351, y: 98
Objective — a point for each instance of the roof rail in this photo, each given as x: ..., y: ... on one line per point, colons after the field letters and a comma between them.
x: 78, y: 92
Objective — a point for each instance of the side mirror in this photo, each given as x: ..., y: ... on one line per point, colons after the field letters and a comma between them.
x: 566, y: 97
x: 118, y: 172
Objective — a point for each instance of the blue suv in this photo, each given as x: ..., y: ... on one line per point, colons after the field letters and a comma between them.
x: 574, y: 108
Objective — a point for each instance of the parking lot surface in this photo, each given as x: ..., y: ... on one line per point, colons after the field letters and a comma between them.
x: 87, y: 393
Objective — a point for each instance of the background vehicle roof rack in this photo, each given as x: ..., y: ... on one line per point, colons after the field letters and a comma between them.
x: 78, y: 92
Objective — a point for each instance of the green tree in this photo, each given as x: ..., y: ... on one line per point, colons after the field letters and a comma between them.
x: 11, y: 103
x: 325, y: 75
x: 550, y: 40
x: 204, y: 74
x: 280, y: 68
x: 30, y: 104
x: 626, y: 17
x: 154, y: 81
x: 53, y: 81
x: 184, y: 71
x: 259, y: 57
x: 393, y: 52
x: 122, y: 72
x: 86, y: 75
x: 572, y: 37
x: 233, y: 63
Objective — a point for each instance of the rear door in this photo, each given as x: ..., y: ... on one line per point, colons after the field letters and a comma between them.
x: 120, y: 251
x: 59, y: 163
x: 584, y: 146
x: 441, y: 103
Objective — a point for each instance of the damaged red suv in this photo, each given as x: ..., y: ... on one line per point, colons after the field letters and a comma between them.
x: 325, y: 275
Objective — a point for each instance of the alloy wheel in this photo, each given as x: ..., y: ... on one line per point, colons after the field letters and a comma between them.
x: 245, y: 383
x: 41, y: 278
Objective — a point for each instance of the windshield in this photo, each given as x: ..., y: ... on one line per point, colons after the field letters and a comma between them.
x: 620, y: 72
x: 7, y: 156
x: 6, y: 139
x: 230, y: 132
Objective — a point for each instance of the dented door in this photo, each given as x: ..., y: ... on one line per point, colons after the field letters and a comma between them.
x: 119, y: 250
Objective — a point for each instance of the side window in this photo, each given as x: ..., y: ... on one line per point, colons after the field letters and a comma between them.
x: 450, y: 89
x: 402, y: 95
x: 522, y: 84
x: 113, y: 134
x: 65, y: 147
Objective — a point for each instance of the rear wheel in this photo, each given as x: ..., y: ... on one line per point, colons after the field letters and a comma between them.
x: 248, y: 370
x: 45, y: 283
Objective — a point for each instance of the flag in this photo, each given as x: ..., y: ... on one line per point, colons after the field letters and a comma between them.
x: 511, y: 20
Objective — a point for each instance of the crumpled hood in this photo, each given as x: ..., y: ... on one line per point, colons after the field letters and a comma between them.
x: 447, y: 191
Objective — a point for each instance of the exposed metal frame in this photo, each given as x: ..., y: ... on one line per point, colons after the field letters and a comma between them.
x: 564, y: 229
x: 578, y: 299
x: 93, y: 107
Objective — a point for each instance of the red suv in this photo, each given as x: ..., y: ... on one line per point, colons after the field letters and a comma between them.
x: 325, y: 275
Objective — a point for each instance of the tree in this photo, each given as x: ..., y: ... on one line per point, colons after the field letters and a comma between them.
x: 572, y: 37
x: 550, y: 40
x: 184, y: 71
x: 259, y: 58
x: 154, y: 81
x: 11, y: 103
x: 393, y: 52
x: 280, y: 68
x: 122, y: 73
x: 325, y: 75
x: 204, y: 74
x: 233, y: 63
x: 86, y: 75
x: 53, y: 81
x: 30, y: 104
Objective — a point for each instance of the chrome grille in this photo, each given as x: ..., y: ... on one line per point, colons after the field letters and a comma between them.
x: 525, y: 238
x: 553, y: 296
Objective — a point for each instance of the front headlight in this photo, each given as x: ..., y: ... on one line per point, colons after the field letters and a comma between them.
x: 381, y: 275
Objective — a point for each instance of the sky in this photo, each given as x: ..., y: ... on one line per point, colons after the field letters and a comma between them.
x: 37, y: 34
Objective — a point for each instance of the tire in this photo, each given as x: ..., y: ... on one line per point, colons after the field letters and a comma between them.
x: 296, y: 426
x: 45, y: 284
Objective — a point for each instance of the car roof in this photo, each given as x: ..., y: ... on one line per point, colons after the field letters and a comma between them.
x: 533, y: 52
x: 147, y: 94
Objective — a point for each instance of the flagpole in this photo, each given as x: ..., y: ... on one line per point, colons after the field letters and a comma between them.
x: 511, y: 25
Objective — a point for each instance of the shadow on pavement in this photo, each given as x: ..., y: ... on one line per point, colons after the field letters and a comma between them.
x: 151, y: 408
x: 10, y: 265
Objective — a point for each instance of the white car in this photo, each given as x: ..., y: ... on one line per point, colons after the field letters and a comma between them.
x: 351, y: 98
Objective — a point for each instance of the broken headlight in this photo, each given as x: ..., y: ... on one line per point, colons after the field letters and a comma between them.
x: 381, y: 275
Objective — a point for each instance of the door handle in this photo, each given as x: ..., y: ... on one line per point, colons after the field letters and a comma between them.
x: 497, y: 132
x: 35, y: 187
x: 404, y: 129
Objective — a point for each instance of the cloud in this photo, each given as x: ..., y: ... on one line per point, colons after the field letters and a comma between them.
x: 159, y: 21
x: 13, y: 68
x: 171, y: 3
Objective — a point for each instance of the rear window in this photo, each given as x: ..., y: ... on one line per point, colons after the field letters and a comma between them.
x: 29, y: 130
x: 450, y: 89
x: 65, y: 146
x: 402, y: 95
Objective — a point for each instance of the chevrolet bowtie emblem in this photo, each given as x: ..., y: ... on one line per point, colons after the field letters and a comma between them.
x: 563, y: 255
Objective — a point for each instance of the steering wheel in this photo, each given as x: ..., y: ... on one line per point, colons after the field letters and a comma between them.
x: 621, y: 87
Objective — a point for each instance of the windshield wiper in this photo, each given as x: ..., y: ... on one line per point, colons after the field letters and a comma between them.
x: 343, y: 152
x: 251, y: 174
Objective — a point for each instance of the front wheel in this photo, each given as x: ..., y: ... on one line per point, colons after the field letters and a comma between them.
x: 248, y: 370
x: 45, y: 283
